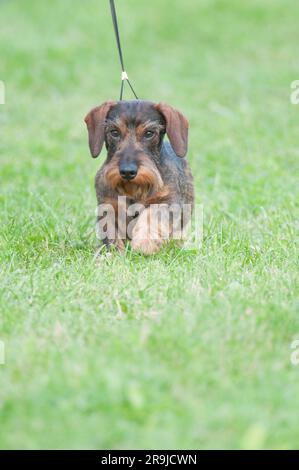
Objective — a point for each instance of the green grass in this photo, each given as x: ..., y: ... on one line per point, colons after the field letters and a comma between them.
x: 183, y: 349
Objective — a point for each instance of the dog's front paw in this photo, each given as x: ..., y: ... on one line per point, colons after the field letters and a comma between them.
x: 147, y: 235
x: 147, y: 246
x: 108, y: 247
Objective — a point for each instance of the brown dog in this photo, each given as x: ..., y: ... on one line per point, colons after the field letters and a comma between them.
x: 147, y: 172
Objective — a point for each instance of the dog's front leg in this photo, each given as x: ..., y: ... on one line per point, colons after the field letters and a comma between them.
x: 109, y: 231
x: 152, y: 229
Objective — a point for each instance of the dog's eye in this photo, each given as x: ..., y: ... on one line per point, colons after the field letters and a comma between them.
x: 149, y: 134
x: 115, y: 133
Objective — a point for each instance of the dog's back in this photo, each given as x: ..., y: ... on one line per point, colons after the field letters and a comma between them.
x: 177, y: 173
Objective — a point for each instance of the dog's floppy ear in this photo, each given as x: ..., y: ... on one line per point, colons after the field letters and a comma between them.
x: 95, y: 120
x: 176, y: 128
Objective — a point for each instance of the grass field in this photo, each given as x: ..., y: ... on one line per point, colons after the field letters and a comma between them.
x: 185, y: 349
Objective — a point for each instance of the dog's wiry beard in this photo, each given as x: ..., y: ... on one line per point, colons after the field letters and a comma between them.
x: 146, y: 183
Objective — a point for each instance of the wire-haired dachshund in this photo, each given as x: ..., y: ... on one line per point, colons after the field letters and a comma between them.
x: 145, y: 187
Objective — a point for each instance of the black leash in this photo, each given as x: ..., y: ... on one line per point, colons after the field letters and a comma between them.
x: 124, y: 75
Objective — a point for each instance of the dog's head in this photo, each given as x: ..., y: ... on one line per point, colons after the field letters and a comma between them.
x: 133, y: 132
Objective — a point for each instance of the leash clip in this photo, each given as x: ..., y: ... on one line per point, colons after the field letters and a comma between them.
x: 124, y: 76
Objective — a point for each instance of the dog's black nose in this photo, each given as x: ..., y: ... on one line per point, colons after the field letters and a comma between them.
x: 128, y: 171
